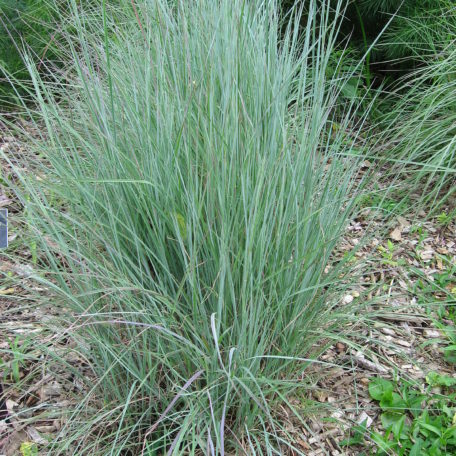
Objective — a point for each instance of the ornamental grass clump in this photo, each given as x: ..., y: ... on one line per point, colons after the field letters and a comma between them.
x: 194, y: 170
x: 422, y: 129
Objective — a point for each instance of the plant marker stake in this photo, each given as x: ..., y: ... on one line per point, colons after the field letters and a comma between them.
x: 3, y: 228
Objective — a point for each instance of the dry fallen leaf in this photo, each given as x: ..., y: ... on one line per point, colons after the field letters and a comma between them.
x: 51, y: 390
x: 426, y: 255
x: 396, y: 234
x: 7, y: 291
x: 13, y: 443
x: 35, y: 436
x: 365, y: 418
x: 403, y: 222
x: 340, y: 347
x: 431, y: 333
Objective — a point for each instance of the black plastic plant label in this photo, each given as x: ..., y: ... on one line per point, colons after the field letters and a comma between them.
x: 3, y: 228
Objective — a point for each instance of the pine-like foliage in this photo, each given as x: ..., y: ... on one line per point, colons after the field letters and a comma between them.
x: 38, y: 28
x: 422, y: 126
x: 421, y: 30
x: 24, y: 24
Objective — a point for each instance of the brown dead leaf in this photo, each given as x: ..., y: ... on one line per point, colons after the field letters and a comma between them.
x: 396, y: 234
x: 340, y: 347
x: 403, y: 222
x: 51, y: 390
x: 35, y: 436
x: 303, y: 444
x: 431, y: 333
x: 427, y: 255
x: 13, y: 443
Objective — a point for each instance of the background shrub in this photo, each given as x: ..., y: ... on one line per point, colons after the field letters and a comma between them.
x: 397, y: 36
x: 40, y: 29
x: 23, y: 24
x: 421, y: 142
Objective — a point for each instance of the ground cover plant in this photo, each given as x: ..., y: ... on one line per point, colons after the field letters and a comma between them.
x: 194, y: 181
x: 415, y: 420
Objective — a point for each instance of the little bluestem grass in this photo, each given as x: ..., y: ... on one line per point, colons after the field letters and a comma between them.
x: 194, y: 173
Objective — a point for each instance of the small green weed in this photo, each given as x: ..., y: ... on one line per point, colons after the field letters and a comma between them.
x: 18, y: 354
x: 392, y: 204
x: 387, y: 254
x: 28, y: 449
x: 445, y: 219
x: 416, y: 422
x: 422, y: 235
x: 358, y: 435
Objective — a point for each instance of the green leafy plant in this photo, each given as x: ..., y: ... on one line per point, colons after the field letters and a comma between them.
x: 28, y: 449
x: 388, y: 202
x: 18, y: 349
x: 445, y: 219
x: 344, y: 64
x: 438, y: 294
x: 358, y: 435
x: 387, y: 254
x: 415, y: 422
x: 422, y: 235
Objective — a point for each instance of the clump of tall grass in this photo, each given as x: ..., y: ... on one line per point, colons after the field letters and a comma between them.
x: 193, y: 181
x: 400, y: 35
x: 422, y: 128
x: 421, y: 30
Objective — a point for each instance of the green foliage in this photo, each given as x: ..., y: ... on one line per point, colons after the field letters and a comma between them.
x: 38, y: 29
x: 197, y: 168
x: 388, y: 202
x: 24, y: 24
x: 445, y: 219
x: 415, y: 422
x: 9, y: 57
x: 357, y: 435
x: 344, y: 63
x: 28, y: 449
x: 416, y: 29
x: 17, y: 352
x: 438, y: 293
x: 420, y: 130
x: 421, y: 29
x: 204, y: 183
